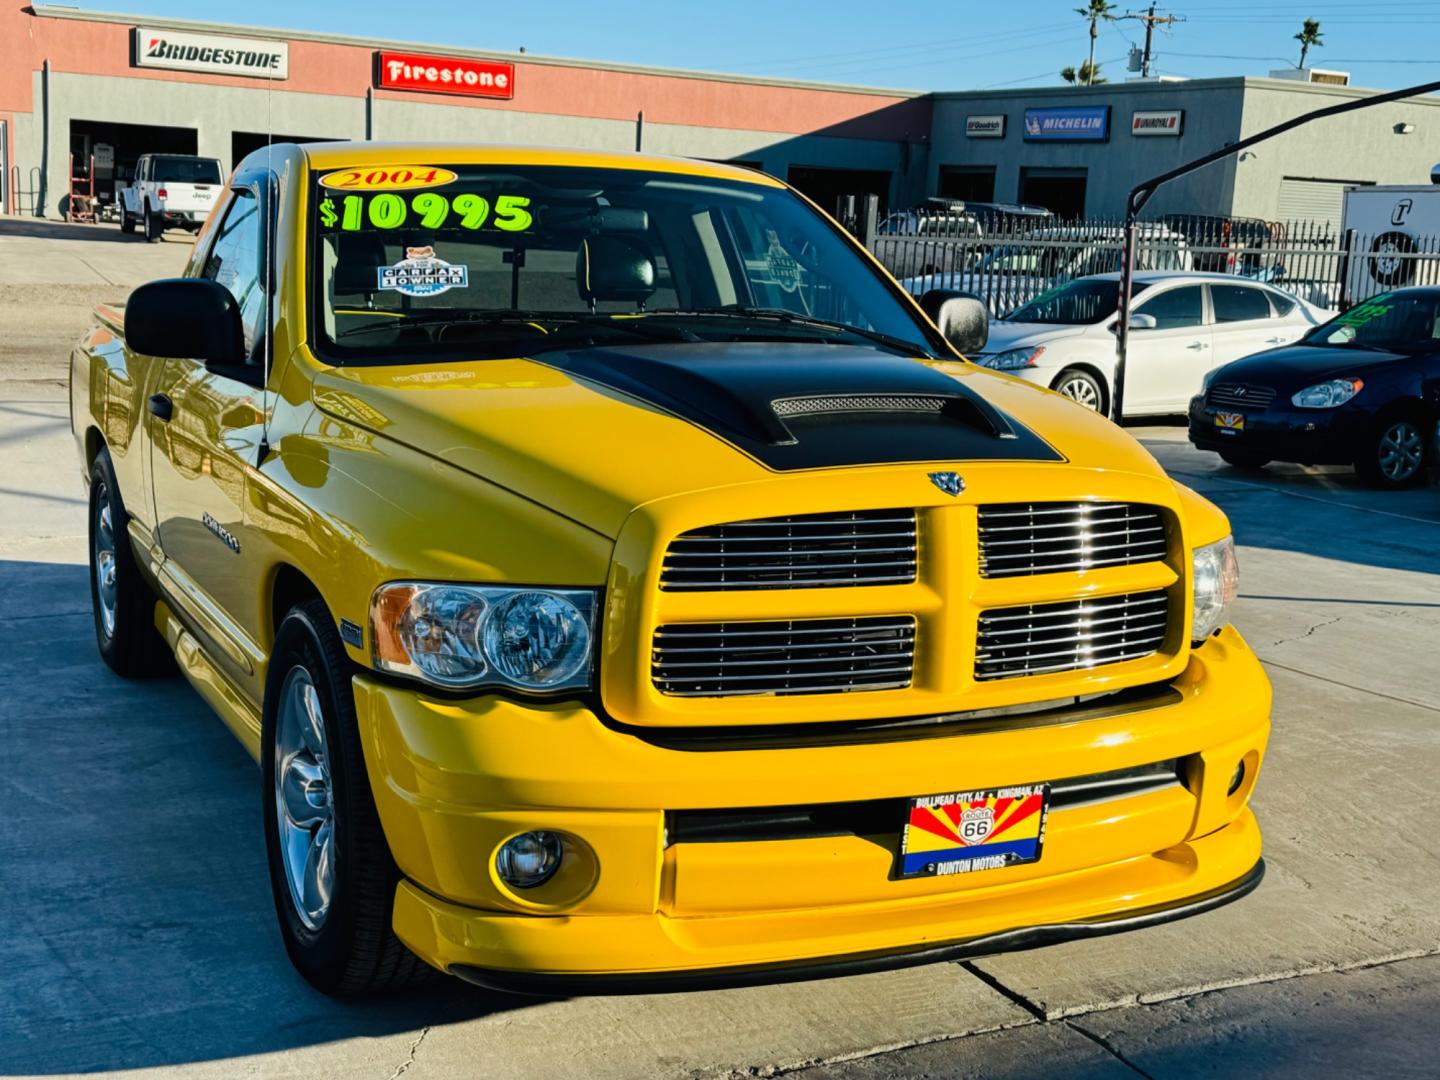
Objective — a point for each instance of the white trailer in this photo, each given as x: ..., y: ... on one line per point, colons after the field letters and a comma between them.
x: 1393, y: 236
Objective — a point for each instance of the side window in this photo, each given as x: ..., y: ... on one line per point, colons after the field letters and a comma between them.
x: 1283, y: 303
x: 1237, y: 303
x: 142, y: 169
x: 1175, y: 308
x: 235, y: 261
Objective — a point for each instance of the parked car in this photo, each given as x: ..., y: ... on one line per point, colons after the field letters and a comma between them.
x: 1359, y: 390
x: 169, y: 191
x: 1182, y: 325
x: 619, y: 581
x: 944, y: 235
x: 1017, y: 271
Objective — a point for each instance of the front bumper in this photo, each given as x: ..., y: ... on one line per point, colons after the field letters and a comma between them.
x: 1284, y: 433
x: 453, y: 780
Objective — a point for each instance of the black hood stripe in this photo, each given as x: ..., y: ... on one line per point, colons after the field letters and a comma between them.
x: 803, y: 406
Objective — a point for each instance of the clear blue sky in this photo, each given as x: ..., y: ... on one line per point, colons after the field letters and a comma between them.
x: 923, y: 44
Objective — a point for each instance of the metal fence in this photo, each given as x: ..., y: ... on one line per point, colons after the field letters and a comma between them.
x: 1010, y: 260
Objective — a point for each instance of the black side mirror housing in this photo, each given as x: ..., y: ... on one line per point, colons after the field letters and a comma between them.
x: 187, y: 319
x: 961, y: 316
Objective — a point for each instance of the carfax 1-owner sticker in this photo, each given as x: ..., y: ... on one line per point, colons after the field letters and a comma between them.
x: 422, y: 273
x: 973, y: 830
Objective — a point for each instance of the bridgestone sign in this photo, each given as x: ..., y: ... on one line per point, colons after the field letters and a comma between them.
x: 210, y: 53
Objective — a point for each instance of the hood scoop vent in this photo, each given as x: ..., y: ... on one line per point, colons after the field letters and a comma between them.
x: 803, y: 406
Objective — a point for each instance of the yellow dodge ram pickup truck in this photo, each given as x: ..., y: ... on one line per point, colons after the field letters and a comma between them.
x: 621, y: 582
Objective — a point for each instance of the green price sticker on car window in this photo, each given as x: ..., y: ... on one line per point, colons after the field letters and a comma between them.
x: 426, y: 210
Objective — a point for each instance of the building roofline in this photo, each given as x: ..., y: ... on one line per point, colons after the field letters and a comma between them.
x: 48, y: 11
x: 1186, y: 86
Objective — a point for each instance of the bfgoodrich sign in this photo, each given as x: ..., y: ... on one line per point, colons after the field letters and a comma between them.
x: 211, y: 53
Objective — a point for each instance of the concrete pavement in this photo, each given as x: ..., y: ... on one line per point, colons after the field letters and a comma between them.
x: 140, y: 933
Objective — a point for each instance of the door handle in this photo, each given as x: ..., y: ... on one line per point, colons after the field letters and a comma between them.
x: 1275, y: 341
x: 162, y: 407
x: 1196, y: 345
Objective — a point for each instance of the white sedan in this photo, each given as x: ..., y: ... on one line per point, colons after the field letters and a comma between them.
x: 1182, y: 325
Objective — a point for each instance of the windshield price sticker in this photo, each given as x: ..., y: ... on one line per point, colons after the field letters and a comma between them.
x: 428, y: 210
x: 422, y: 273
x: 388, y: 178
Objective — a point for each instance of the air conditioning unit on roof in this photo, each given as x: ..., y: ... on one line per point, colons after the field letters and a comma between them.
x: 1313, y: 75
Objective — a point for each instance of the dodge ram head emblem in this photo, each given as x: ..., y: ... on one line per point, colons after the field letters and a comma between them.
x: 949, y: 482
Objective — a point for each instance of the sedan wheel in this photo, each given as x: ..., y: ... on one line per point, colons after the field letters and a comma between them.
x: 1080, y: 387
x: 1401, y: 452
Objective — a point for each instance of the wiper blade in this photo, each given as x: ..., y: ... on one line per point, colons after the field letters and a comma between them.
x: 448, y: 318
x: 625, y: 324
x: 781, y: 315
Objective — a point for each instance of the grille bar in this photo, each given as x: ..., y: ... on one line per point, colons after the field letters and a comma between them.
x: 841, y: 655
x: 1240, y: 396
x: 1023, y: 539
x: 864, y: 547
x: 1044, y: 638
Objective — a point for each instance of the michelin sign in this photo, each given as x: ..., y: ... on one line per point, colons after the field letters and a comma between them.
x: 1078, y: 123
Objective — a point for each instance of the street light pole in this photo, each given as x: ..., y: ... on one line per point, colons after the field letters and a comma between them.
x: 1141, y: 193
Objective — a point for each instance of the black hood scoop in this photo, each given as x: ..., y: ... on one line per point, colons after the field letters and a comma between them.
x: 804, y: 406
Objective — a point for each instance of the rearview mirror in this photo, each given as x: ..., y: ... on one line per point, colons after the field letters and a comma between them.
x: 962, y: 317
x: 187, y: 319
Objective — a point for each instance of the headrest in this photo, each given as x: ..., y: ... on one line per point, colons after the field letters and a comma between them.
x: 358, y: 255
x: 614, y: 268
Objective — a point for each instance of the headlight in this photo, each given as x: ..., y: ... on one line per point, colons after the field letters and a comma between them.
x: 467, y: 636
x: 1216, y: 580
x: 1327, y: 395
x: 1014, y: 359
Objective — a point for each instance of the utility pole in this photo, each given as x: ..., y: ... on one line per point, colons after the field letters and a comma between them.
x: 1151, y: 20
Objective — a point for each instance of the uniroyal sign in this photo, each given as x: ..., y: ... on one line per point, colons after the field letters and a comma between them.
x: 212, y: 53
x: 444, y: 75
x: 1157, y: 122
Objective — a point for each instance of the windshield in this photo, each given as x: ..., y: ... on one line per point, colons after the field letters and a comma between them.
x: 430, y: 262
x: 1390, y: 321
x: 186, y: 170
x: 1087, y: 301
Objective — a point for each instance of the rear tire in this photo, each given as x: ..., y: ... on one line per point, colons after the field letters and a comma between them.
x: 1239, y: 459
x: 127, y: 223
x: 1394, y: 454
x: 1082, y: 388
x: 120, y: 599
x: 154, y: 225
x: 331, y: 871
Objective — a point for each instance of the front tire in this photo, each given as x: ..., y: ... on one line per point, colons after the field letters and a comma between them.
x: 120, y: 599
x: 127, y: 223
x: 1394, y: 455
x: 1239, y: 459
x: 331, y: 872
x: 1081, y: 387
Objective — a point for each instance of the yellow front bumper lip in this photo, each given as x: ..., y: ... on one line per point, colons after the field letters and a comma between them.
x: 637, y: 953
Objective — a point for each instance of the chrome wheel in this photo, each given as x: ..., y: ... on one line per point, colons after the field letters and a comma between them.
x: 304, y: 810
x: 102, y: 561
x: 1401, y: 452
x: 1081, y: 390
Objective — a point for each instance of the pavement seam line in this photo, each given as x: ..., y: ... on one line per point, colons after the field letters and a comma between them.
x: 1336, y: 682
x: 1013, y: 996
x: 1104, y: 1044
x: 1308, y: 498
x: 410, y: 1058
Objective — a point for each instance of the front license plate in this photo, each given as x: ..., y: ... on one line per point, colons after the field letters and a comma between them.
x: 973, y: 830
x: 1230, y: 423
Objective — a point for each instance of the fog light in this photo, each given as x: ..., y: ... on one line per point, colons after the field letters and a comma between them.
x: 529, y: 859
x: 1236, y: 779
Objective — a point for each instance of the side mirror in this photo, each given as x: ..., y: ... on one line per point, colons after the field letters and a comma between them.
x: 187, y: 319
x: 1141, y: 321
x: 962, y: 317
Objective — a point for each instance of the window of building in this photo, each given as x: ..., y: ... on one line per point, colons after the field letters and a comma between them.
x: 973, y: 183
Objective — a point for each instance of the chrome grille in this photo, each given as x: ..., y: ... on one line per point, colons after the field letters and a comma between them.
x: 1240, y: 396
x: 864, y: 547
x: 810, y: 656
x: 1020, y: 539
x: 1069, y: 636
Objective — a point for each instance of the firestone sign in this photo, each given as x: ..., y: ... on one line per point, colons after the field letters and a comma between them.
x: 444, y: 75
x: 211, y: 53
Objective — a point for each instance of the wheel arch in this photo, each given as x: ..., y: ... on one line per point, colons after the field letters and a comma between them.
x: 1094, y: 372
x: 289, y: 586
x: 94, y: 443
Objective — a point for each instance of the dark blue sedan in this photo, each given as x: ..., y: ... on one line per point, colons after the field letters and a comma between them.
x: 1363, y: 389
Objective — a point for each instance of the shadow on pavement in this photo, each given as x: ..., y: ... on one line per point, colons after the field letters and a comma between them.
x: 139, y: 927
x: 43, y: 229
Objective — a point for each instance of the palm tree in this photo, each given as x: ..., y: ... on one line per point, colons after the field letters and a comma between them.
x: 1093, y: 12
x: 1087, y: 74
x: 1309, y: 35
